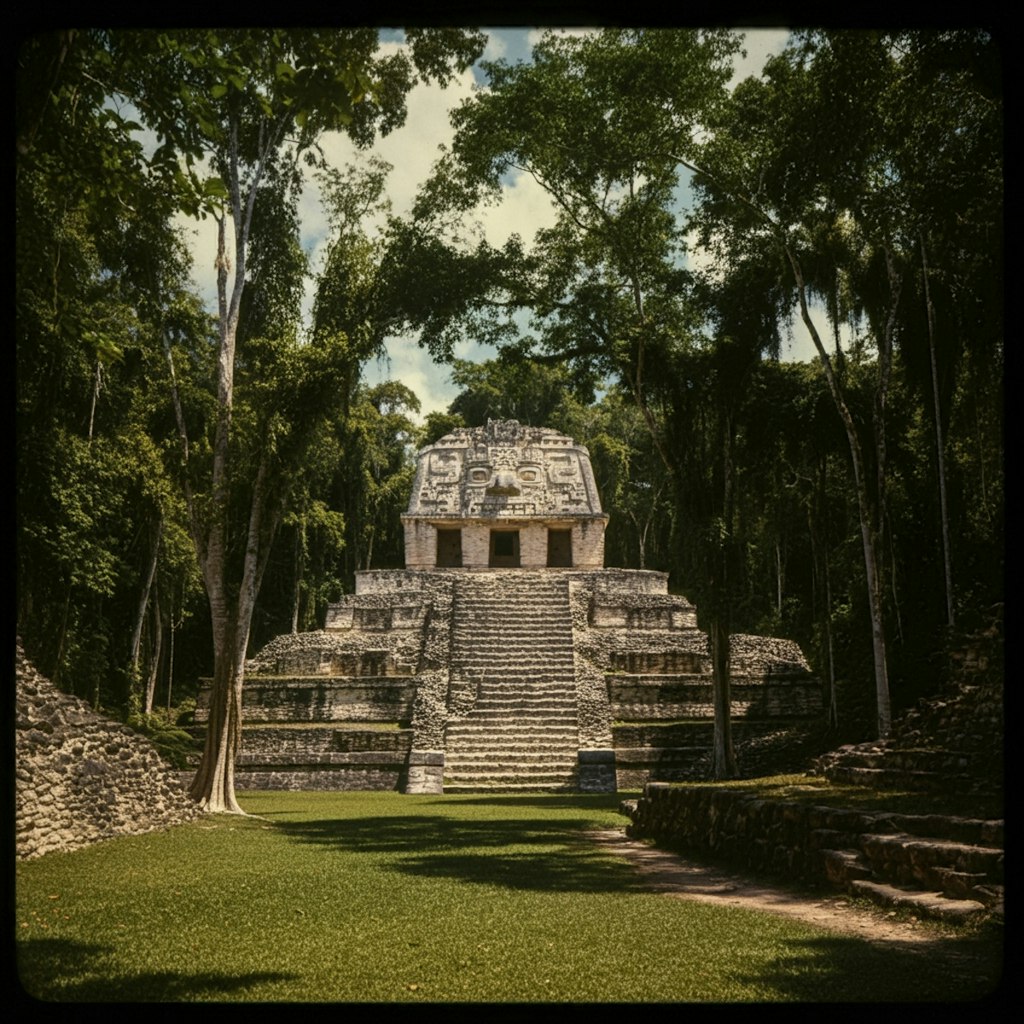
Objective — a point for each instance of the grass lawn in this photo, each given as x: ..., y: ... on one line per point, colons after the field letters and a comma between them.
x: 351, y: 897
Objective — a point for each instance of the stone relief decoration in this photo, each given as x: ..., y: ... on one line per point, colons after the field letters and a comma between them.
x: 504, y: 470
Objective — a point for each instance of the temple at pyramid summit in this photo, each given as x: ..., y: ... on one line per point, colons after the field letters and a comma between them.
x: 505, y: 656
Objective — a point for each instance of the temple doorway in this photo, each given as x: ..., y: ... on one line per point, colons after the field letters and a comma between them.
x: 504, y: 549
x: 560, y: 549
x: 449, y: 549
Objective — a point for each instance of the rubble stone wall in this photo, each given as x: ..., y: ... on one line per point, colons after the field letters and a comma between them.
x: 80, y: 777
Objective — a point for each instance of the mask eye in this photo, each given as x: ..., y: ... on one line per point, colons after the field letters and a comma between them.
x: 479, y: 475
x: 528, y: 474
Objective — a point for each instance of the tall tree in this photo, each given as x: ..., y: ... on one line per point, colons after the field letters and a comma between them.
x: 843, y: 218
x: 253, y: 103
x: 100, y: 273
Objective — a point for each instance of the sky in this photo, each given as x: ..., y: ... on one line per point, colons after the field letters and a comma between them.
x: 411, y: 151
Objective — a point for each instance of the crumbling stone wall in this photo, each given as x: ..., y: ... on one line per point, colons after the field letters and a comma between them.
x: 81, y: 778
x: 951, y: 742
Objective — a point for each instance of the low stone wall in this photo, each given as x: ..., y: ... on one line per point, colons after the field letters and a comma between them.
x: 802, y: 841
x: 81, y: 778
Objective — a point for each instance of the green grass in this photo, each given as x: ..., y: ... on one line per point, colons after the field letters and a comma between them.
x: 383, y: 897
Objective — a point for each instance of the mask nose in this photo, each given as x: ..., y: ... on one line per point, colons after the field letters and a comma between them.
x: 503, y: 482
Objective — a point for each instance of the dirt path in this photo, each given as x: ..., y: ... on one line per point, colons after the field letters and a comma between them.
x: 685, y: 879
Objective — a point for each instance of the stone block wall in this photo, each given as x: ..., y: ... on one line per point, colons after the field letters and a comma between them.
x: 824, y: 844
x: 80, y: 777
x: 587, y: 541
x: 631, y: 653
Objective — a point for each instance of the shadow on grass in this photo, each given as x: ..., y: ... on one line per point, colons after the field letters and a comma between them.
x: 849, y: 970
x: 64, y: 971
x: 486, y: 852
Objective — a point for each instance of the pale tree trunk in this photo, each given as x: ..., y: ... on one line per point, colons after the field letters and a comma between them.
x: 724, y: 760
x: 778, y: 577
x: 868, y: 528
x: 214, y: 784
x: 869, y: 539
x: 170, y: 657
x: 300, y: 547
x: 134, y: 653
x: 939, y: 445
x: 724, y: 757
x: 158, y: 637
x: 97, y: 384
x: 819, y: 555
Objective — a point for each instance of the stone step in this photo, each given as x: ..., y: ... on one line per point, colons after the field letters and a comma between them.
x: 489, y: 719
x: 487, y: 754
x: 844, y: 866
x: 527, y: 670
x: 565, y: 740
x: 483, y: 743
x: 482, y: 757
x: 538, y: 762
x: 472, y: 732
x: 906, y: 759
x: 533, y: 687
x: 540, y: 621
x: 555, y: 608
x: 524, y: 701
x: 452, y: 786
x: 905, y: 858
x: 509, y: 648
x: 926, y: 904
x: 885, y: 778
x: 510, y: 777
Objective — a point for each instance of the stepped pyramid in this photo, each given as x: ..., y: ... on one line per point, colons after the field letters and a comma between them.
x: 504, y: 656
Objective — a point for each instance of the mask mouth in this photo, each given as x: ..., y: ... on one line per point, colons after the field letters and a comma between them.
x: 503, y: 482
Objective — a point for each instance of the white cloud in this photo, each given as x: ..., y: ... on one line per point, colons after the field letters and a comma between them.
x: 524, y: 208
x: 759, y: 44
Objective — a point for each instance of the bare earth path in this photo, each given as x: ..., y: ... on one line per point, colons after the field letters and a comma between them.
x: 682, y: 878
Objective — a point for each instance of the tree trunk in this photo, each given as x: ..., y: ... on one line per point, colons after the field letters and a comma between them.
x: 134, y: 683
x: 819, y: 556
x: 939, y: 446
x: 867, y: 529
x: 724, y: 762
x: 299, y: 560
x: 170, y: 657
x: 158, y: 636
x: 724, y: 758
x: 214, y: 784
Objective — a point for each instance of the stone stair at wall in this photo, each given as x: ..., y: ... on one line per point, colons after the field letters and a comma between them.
x: 949, y: 743
x: 512, y: 662
x: 935, y: 865
x: 942, y: 867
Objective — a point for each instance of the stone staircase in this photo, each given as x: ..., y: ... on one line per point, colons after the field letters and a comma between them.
x: 941, y: 867
x: 949, y: 743
x: 512, y: 650
x: 935, y: 865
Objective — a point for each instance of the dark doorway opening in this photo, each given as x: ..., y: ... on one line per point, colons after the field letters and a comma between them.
x: 560, y: 548
x: 449, y: 549
x: 504, y: 549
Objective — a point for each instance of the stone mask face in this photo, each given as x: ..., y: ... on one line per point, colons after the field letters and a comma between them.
x: 505, y: 470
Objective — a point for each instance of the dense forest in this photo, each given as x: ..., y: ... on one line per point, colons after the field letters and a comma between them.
x: 192, y: 483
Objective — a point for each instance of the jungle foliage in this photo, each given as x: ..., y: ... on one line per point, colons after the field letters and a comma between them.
x: 860, y: 177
